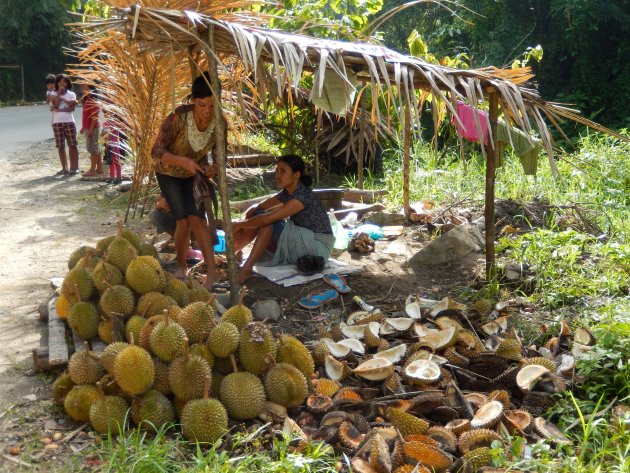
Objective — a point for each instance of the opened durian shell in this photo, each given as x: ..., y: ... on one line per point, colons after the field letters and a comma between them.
x: 446, y: 438
x: 349, y: 436
x: 487, y: 415
x: 423, y: 372
x: 441, y: 339
x: 458, y: 426
x: 371, y: 334
x: 376, y: 369
x: 335, y: 369
x: 584, y: 336
x: 394, y: 354
x: 473, y: 439
x: 549, y: 431
x: 518, y: 421
x: 431, y: 457
x: 319, y: 404
x: 326, y: 387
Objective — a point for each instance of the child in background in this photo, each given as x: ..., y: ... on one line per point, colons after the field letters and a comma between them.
x: 111, y: 133
x: 64, y: 101
x: 89, y: 127
x: 50, y: 93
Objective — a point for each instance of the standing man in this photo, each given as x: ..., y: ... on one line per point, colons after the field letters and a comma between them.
x: 50, y: 93
x: 64, y: 102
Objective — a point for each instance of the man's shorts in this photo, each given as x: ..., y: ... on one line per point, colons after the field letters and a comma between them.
x: 65, y: 130
x: 91, y: 142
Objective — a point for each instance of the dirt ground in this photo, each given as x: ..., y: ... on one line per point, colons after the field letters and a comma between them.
x: 46, y: 217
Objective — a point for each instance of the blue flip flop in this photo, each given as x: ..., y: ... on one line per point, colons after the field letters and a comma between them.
x: 338, y: 282
x: 315, y: 301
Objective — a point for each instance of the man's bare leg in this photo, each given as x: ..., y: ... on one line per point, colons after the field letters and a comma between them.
x: 74, y: 158
x: 62, y: 157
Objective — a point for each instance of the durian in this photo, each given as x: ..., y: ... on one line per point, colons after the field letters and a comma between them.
x: 197, y: 319
x: 285, y: 385
x: 153, y: 303
x: 256, y: 344
x: 133, y: 327
x: 120, y: 252
x: 118, y: 300
x: 188, y: 375
x: 176, y: 289
x: 84, y: 367
x: 83, y: 319
x: 223, y: 339
x: 61, y: 387
x: 106, y: 275
x: 108, y: 414
x: 79, y: 400
x: 243, y: 395
x: 152, y: 410
x: 167, y: 340
x: 204, y: 420
x: 133, y: 370
x: 77, y: 285
x: 239, y: 315
x: 145, y: 274
x: 108, y: 356
x: 292, y: 351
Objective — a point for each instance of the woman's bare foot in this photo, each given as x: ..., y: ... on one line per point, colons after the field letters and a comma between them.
x: 180, y: 274
x: 208, y: 284
x: 244, y: 274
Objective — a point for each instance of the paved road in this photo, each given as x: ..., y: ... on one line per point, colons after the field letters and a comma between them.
x: 22, y: 126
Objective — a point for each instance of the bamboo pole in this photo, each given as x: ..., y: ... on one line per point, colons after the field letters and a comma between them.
x: 221, y: 161
x: 490, y: 180
x: 406, y: 160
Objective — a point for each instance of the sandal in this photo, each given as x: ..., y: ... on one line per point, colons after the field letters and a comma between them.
x: 316, y: 300
x: 338, y: 282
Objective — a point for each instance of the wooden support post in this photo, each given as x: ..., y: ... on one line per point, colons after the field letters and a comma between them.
x: 407, y: 161
x: 490, y: 178
x: 221, y: 161
x: 360, y: 159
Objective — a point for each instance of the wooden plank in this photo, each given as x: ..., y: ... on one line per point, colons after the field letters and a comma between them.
x: 251, y: 160
x: 362, y: 195
x: 57, y: 345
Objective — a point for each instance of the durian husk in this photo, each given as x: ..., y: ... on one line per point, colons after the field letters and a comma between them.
x: 539, y: 360
x: 459, y: 426
x: 406, y: 423
x: 488, y: 415
x: 455, y: 358
x: 473, y: 461
x: 473, y: 439
x: 446, y: 438
x: 326, y: 387
x: 518, y: 421
x: 430, y: 457
x: 349, y: 436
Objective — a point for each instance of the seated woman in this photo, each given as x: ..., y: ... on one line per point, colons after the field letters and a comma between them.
x: 306, y: 232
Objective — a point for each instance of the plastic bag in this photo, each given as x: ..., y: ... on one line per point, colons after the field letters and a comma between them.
x: 341, y: 235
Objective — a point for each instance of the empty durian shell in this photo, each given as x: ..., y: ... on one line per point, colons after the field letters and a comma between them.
x: 355, y: 345
x: 393, y: 384
x: 445, y: 437
x: 549, y: 431
x: 423, y: 371
x: 394, y: 354
x: 351, y: 331
x: 529, y: 375
x: 487, y: 415
x: 413, y: 310
x: 510, y: 348
x: 406, y: 423
x: 439, y: 307
x: 335, y: 369
x: 379, y: 457
x: 347, y: 395
x: 455, y: 358
x: 422, y: 439
x: 443, y: 414
x: 427, y: 402
x: 326, y: 387
x: 291, y: 429
x: 371, y: 334
x: 349, y: 436
x: 446, y: 322
x: 536, y: 403
x: 337, y: 349
x: 318, y: 403
x: 476, y: 399
x: 584, y: 336
x: 474, y: 462
x: 441, y: 339
x: 579, y: 350
x: 495, y: 327
x: 458, y: 426
x: 422, y: 330
x: 334, y: 418
x: 518, y: 422
x: 539, y: 360
x: 473, y: 439
x: 500, y: 395
x: 376, y: 369
x: 360, y: 422
x: 567, y: 365
x: 393, y: 325
x: 431, y: 457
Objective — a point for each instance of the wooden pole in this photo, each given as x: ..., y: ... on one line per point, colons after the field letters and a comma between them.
x: 220, y: 158
x: 406, y: 160
x: 490, y: 179
x: 361, y: 143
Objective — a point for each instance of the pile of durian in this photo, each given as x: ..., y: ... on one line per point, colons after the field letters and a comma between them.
x: 168, y: 357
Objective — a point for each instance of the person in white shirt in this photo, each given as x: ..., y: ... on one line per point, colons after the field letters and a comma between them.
x: 64, y: 101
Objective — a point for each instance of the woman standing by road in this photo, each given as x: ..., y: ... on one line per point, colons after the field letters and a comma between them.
x: 180, y: 152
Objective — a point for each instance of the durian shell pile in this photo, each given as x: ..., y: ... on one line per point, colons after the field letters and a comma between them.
x: 168, y: 356
x: 435, y: 388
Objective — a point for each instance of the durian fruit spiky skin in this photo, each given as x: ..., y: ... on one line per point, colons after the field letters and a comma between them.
x: 161, y: 377
x: 133, y: 327
x: 83, y: 318
x: 145, y: 274
x: 61, y: 387
x: 223, y: 339
x: 204, y: 420
x: 167, y: 340
x: 62, y: 306
x: 176, y: 289
x: 147, y: 328
x: 406, y: 423
x: 120, y: 253
x: 131, y: 237
x: 243, y: 395
x: 153, y: 303
x: 147, y: 249
x: 103, y: 244
x: 79, y: 279
x: 477, y: 438
x: 197, y: 319
x: 105, y: 275
x: 253, y: 354
x: 239, y: 315
x: 473, y: 461
x: 108, y: 356
x: 197, y: 294
x: 79, y: 253
x: 105, y: 331
x: 188, y: 375
x: 204, y: 352
x: 133, y: 370
x: 293, y: 351
x: 286, y: 385
x: 85, y: 368
x: 79, y: 400
x: 108, y: 414
x: 152, y: 410
x: 118, y: 300
x: 483, y: 306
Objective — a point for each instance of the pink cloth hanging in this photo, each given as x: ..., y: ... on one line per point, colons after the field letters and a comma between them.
x: 469, y: 130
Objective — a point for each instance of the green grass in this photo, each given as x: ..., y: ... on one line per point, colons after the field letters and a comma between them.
x: 165, y: 451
